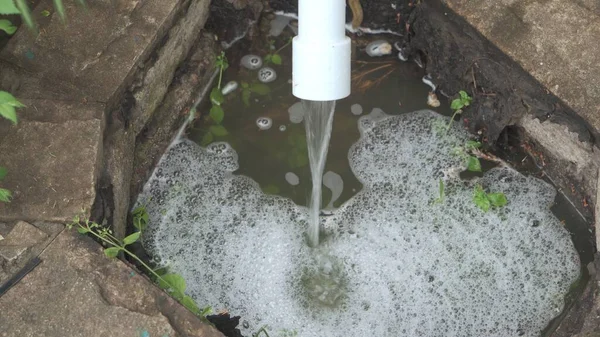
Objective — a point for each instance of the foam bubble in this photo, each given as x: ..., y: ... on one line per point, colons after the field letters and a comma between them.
x: 356, y: 109
x: 391, y: 264
x: 292, y: 178
x: 296, y: 112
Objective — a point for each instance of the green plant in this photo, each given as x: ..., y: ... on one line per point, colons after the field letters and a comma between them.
x: 8, y: 110
x: 216, y: 112
x: 282, y: 333
x: 458, y: 104
x: 440, y: 198
x: 173, y: 283
x: 485, y: 200
x: 263, y: 330
x: 5, y: 195
x: 20, y: 7
x: 8, y: 106
x: 253, y: 88
x: 472, y: 162
x: 274, y: 57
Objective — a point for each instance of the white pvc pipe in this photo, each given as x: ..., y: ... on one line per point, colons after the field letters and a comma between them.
x: 321, y: 51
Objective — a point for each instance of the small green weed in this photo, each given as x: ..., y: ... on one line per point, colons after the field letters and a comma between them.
x: 5, y: 195
x: 464, y: 100
x: 441, y: 195
x: 485, y: 200
x: 253, y: 88
x: 216, y: 112
x: 8, y: 7
x: 282, y: 333
x: 8, y: 110
x: 173, y: 283
x: 472, y: 162
x: 274, y: 57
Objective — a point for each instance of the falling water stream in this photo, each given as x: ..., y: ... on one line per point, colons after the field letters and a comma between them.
x: 318, y: 120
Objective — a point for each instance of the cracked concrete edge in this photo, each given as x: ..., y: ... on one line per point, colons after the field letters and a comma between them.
x: 157, y: 79
x: 118, y: 300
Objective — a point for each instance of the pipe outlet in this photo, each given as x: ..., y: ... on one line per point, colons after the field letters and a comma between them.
x: 321, y: 51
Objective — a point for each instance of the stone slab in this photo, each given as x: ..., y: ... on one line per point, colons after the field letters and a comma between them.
x: 98, y: 48
x: 77, y: 292
x: 52, y: 160
x: 24, y: 241
x: 21, y: 237
x: 556, y: 41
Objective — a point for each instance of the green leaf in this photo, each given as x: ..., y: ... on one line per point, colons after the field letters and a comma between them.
x: 8, y: 112
x: 45, y: 13
x: 8, y: 7
x: 112, y: 252
x: 472, y: 145
x: 8, y: 103
x: 8, y: 99
x: 25, y: 13
x: 161, y: 270
x: 246, y: 96
x: 497, y: 199
x: 82, y: 230
x: 473, y: 164
x: 216, y: 96
x: 217, y: 113
x: 189, y: 303
x: 5, y: 195
x: 205, y: 311
x: 207, y: 139
x: 7, y: 26
x: 267, y: 59
x: 260, y: 88
x: 456, y: 104
x: 441, y: 190
x: 60, y: 8
x: 276, y: 59
x: 3, y: 172
x: 140, y: 218
x: 480, y: 198
x: 218, y: 130
x: 463, y: 95
x: 245, y: 85
x: 172, y: 281
x: 131, y: 238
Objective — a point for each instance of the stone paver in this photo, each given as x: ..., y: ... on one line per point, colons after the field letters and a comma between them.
x: 97, y: 49
x: 22, y: 241
x: 52, y: 158
x: 117, y: 302
x: 556, y: 41
x: 22, y: 237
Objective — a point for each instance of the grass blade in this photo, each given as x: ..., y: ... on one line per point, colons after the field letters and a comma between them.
x: 60, y: 9
x: 26, y: 14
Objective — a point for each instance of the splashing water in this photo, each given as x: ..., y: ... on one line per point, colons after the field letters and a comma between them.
x: 318, y: 120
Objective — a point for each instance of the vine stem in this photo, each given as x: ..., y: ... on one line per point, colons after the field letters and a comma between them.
x: 263, y: 330
x: 122, y: 247
x: 220, y: 76
x: 457, y: 112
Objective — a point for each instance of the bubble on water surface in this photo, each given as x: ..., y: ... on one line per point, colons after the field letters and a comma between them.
x: 356, y: 109
x: 392, y: 263
x: 251, y: 62
x: 292, y: 178
x: 296, y: 112
x: 264, y: 123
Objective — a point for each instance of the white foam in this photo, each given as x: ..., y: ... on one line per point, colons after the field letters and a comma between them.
x: 394, y: 264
